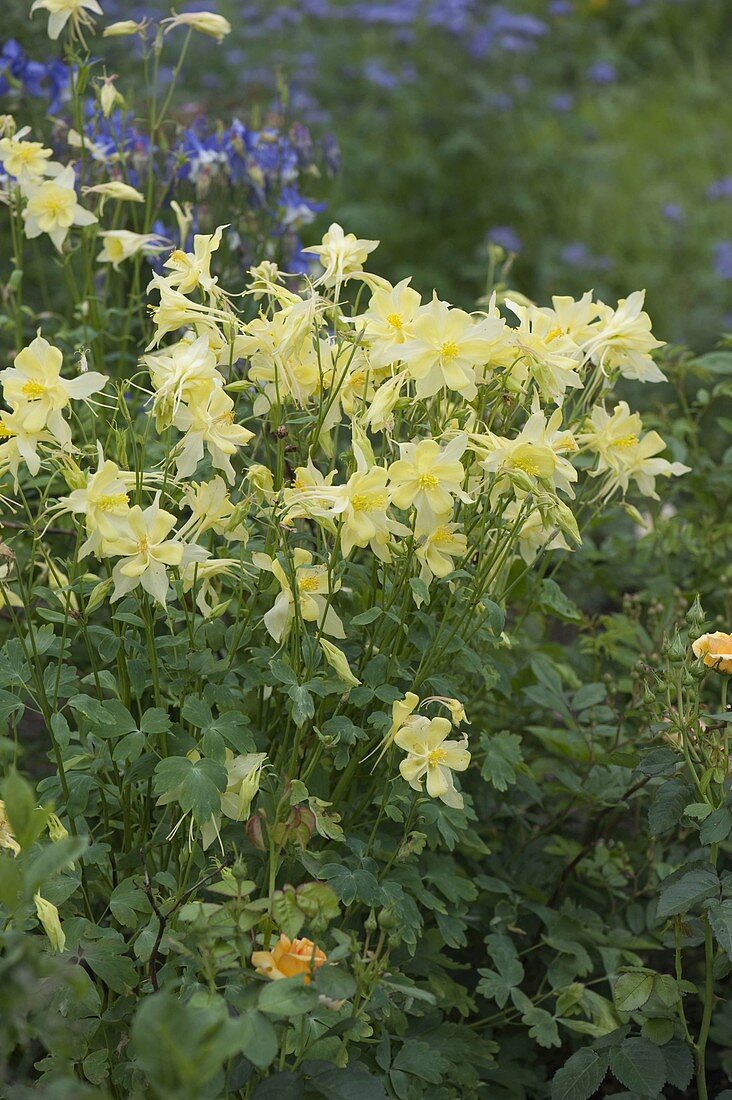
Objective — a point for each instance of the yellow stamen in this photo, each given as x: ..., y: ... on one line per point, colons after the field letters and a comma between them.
x: 369, y: 502
x: 626, y: 441
x: 112, y: 501
x: 428, y: 481
x: 32, y: 390
x: 394, y: 319
x: 308, y: 583
x: 435, y: 757
x: 449, y: 350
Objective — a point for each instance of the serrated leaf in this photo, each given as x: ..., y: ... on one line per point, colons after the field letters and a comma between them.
x: 685, y: 888
x: 719, y: 915
x: 669, y: 802
x: 639, y: 1066
x: 632, y: 991
x: 580, y: 1077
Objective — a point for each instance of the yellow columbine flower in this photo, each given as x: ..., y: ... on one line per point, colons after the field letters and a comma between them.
x: 7, y: 837
x: 387, y: 322
x: 27, y: 161
x: 61, y: 11
x: 147, y: 552
x: 38, y: 393
x: 624, y: 452
x: 103, y: 501
x: 53, y: 208
x: 312, y: 589
x: 445, y: 347
x: 205, y: 22
x: 121, y: 244
x: 209, y: 422
x: 365, y: 519
x: 428, y: 476
x: 47, y: 914
x: 437, y: 549
x: 115, y: 189
x: 432, y: 759
x: 342, y: 255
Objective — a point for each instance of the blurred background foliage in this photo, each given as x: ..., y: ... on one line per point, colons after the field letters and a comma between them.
x: 588, y: 136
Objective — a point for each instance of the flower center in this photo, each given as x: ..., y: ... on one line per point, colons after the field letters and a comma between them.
x: 143, y: 545
x: 441, y: 536
x: 436, y: 757
x: 308, y: 584
x: 449, y: 350
x: 428, y: 481
x: 626, y: 441
x: 32, y: 390
x: 112, y: 501
x: 528, y: 465
x: 368, y: 502
x: 394, y: 319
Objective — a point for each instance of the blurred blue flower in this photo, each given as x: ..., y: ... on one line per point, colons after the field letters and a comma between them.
x: 720, y: 189
x: 673, y: 212
x: 723, y: 259
x: 602, y: 72
x: 505, y: 237
x: 562, y: 102
x: 577, y: 254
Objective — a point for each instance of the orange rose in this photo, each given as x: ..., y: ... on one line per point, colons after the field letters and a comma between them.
x: 289, y: 958
x: 715, y: 649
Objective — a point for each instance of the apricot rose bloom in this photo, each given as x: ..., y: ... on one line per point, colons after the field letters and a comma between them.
x: 288, y: 958
x: 715, y: 650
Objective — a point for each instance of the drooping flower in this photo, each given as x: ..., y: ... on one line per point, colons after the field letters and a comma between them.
x: 121, y: 244
x: 437, y: 549
x: 61, y: 11
x: 47, y: 914
x: 623, y: 340
x: 432, y: 759
x: 205, y: 22
x: 289, y: 959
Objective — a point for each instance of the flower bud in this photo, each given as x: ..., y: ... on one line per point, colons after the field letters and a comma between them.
x: 695, y: 615
x: 48, y: 916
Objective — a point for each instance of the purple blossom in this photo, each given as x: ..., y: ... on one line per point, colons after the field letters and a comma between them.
x: 602, y: 72
x: 720, y: 189
x: 723, y: 259
x: 673, y: 212
x: 577, y: 254
x: 505, y: 237
x: 562, y: 103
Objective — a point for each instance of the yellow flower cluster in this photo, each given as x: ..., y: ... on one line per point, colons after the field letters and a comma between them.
x: 430, y: 440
